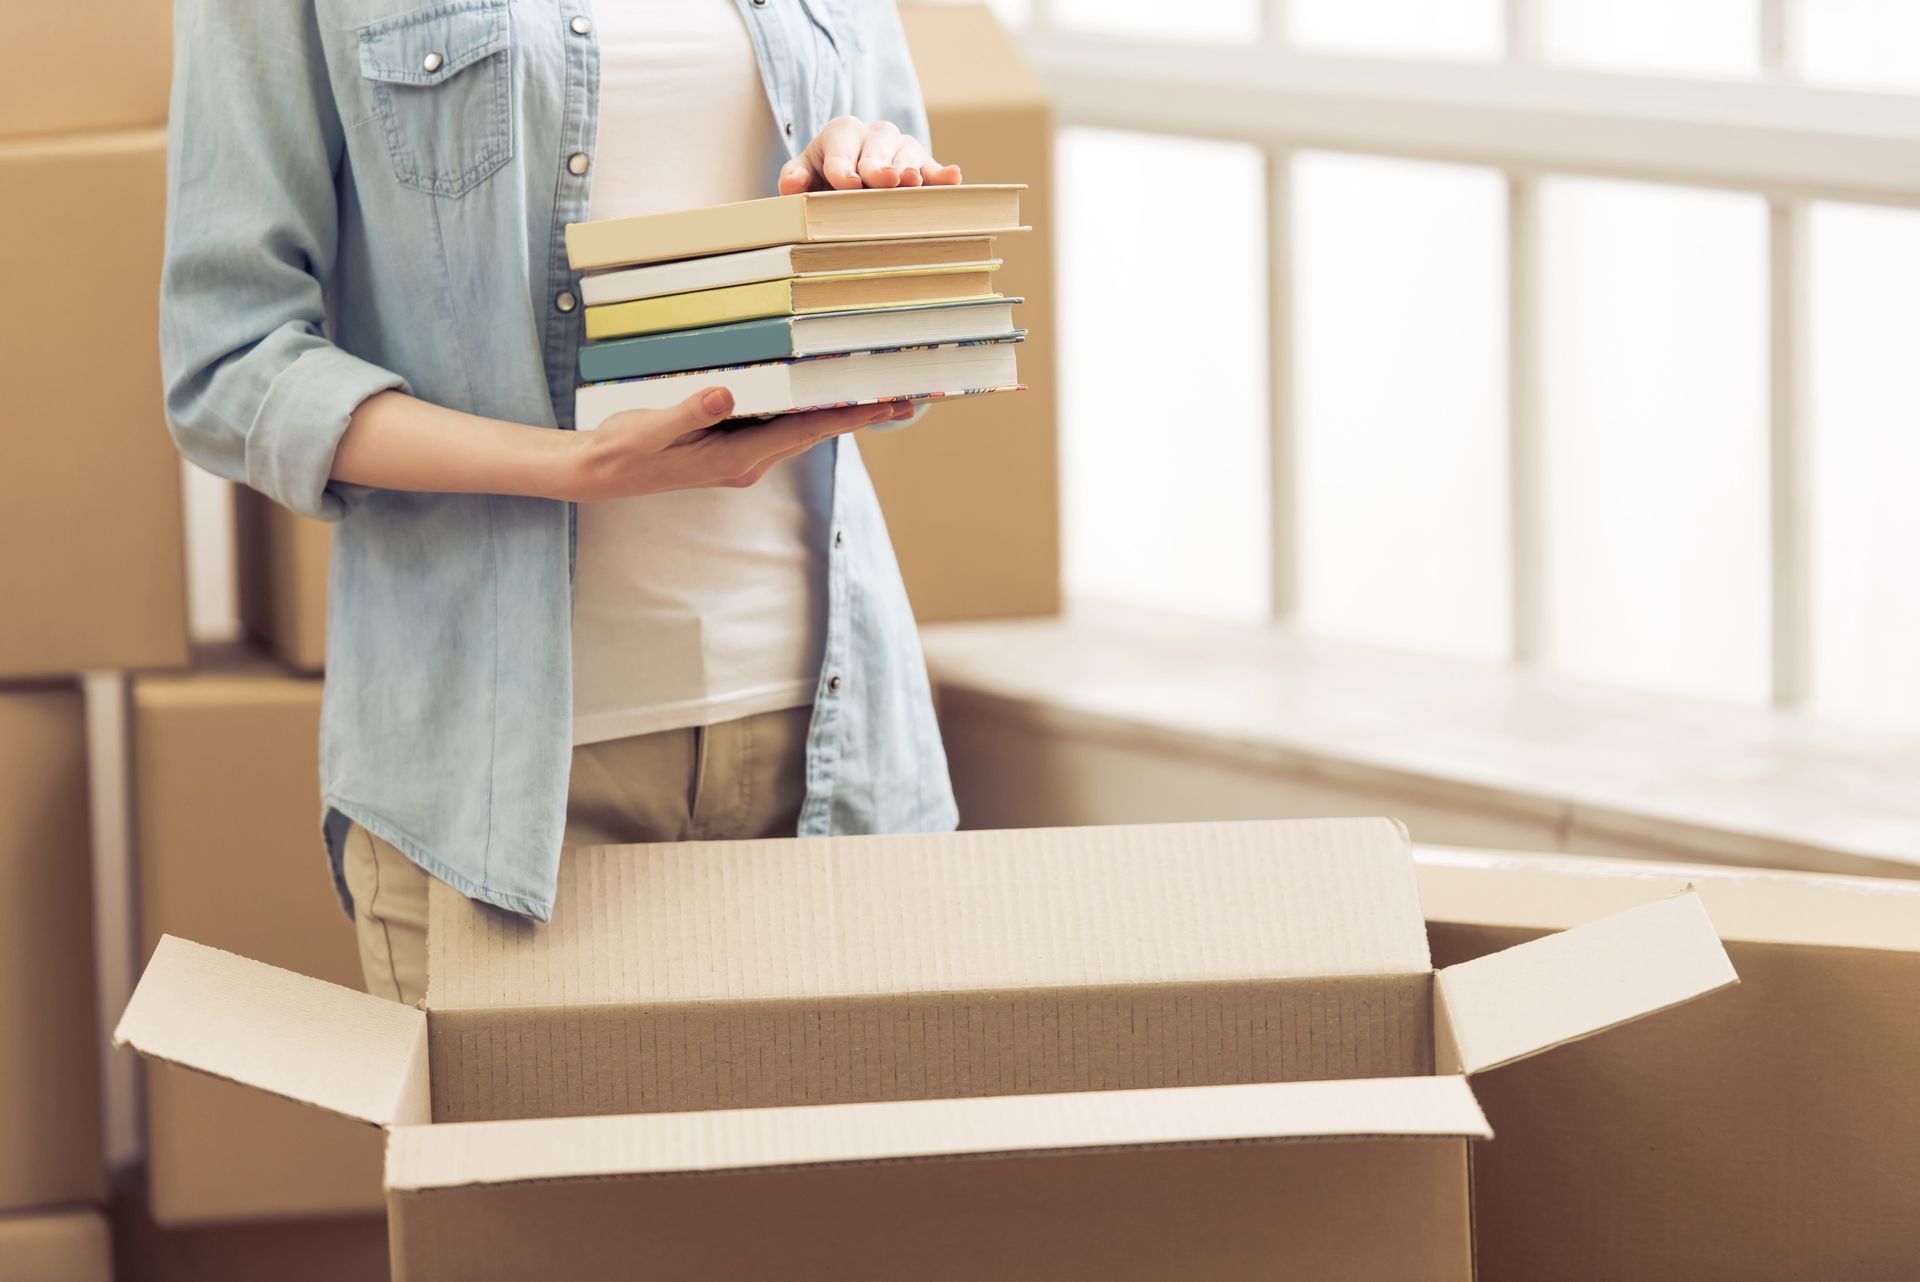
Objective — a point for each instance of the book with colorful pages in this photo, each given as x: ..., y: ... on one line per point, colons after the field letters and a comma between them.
x: 818, y: 382
x: 779, y: 337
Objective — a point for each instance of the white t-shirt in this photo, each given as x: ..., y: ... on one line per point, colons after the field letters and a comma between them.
x: 694, y: 606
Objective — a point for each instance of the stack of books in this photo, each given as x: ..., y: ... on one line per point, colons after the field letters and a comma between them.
x: 797, y: 302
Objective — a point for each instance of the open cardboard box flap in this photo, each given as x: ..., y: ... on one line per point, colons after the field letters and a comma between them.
x: 280, y: 1032
x: 1535, y: 996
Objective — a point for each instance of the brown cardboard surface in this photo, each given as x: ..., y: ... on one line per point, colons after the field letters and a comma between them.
x: 84, y: 450
x: 282, y: 578
x: 1514, y: 1004
x: 703, y: 975
x: 971, y: 491
x: 228, y: 851
x: 1767, y: 1135
x: 1381, y: 1211
x: 104, y: 64
x: 56, y: 1246
x: 49, y: 1038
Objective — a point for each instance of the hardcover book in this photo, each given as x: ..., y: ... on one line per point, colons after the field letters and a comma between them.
x: 841, y: 291
x: 817, y: 382
x: 779, y: 337
x: 864, y: 214
x: 778, y: 263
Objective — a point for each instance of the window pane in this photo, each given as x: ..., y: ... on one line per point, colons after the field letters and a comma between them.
x: 1214, y: 20
x: 1163, y: 341
x: 1684, y: 36
x: 1654, y: 380
x: 1400, y: 337
x: 1865, y: 456
x: 1417, y: 28
x: 1865, y: 43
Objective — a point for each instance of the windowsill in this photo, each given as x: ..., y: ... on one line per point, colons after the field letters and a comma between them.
x: 1742, y: 785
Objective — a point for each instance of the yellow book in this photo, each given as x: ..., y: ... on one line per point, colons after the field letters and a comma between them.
x: 826, y: 292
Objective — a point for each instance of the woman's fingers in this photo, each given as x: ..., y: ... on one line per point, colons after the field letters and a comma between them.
x: 852, y: 153
x: 796, y: 175
x: 836, y: 150
x: 752, y: 450
x: 877, y: 148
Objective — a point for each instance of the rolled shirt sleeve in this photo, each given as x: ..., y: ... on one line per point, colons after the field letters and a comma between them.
x: 255, y: 390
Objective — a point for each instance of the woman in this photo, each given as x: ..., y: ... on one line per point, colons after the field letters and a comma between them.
x: 535, y: 637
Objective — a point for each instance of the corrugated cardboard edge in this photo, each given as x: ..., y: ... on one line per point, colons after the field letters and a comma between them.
x: 421, y: 1159
x: 289, y: 1035
x: 1548, y: 992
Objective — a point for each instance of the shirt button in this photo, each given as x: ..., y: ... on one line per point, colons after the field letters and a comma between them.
x: 565, y: 300
x: 833, y: 685
x: 581, y: 26
x: 432, y: 63
x: 759, y: 4
x: 789, y: 129
x: 839, y: 537
x: 577, y: 163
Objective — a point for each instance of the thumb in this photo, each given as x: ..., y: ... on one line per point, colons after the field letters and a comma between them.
x: 796, y: 176
x: 703, y: 409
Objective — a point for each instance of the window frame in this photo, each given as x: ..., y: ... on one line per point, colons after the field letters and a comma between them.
x: 1789, y: 142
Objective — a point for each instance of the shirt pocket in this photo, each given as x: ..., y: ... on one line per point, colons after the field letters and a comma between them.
x: 443, y: 91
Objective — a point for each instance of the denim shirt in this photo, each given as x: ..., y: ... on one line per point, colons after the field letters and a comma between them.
x: 371, y: 194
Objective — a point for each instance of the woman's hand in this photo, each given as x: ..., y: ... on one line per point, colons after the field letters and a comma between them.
x: 851, y: 153
x: 651, y: 451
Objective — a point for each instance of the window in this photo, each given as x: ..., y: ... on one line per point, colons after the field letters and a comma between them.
x: 1590, y: 355
x: 1163, y: 448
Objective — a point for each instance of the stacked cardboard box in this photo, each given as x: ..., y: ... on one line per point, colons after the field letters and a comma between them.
x: 228, y: 848
x: 50, y: 1149
x: 974, y: 506
x: 94, y: 577
x: 1178, y: 1051
x: 95, y: 572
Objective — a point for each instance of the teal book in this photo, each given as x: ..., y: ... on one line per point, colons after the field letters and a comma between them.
x: 784, y: 337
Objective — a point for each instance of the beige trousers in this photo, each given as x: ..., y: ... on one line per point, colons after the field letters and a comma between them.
x: 737, y: 779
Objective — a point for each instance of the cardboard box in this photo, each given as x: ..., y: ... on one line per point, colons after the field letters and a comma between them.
x: 972, y: 491
x: 282, y: 578
x: 228, y: 851
x: 105, y: 64
x: 1773, y: 1134
x: 50, y: 1146
x: 58, y: 1246
x: 1124, y: 1053
x: 94, y: 575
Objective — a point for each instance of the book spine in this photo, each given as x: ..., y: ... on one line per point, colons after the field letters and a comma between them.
x: 692, y: 350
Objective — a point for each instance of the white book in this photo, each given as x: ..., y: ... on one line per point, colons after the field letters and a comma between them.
x: 817, y: 382
x: 781, y: 262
